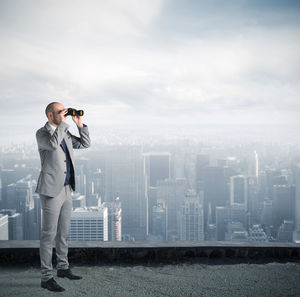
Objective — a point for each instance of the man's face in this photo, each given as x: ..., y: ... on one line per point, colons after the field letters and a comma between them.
x: 58, y: 108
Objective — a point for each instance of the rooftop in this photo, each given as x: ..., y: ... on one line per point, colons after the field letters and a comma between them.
x: 158, y: 269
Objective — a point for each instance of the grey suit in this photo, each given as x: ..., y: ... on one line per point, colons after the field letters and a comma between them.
x: 56, y: 200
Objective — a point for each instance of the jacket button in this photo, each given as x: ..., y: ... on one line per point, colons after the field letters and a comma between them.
x: 65, y: 172
x: 65, y: 160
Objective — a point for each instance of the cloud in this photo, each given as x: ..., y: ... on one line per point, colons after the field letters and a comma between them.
x: 152, y: 61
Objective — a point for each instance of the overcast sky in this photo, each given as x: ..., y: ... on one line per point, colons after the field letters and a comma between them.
x: 158, y: 62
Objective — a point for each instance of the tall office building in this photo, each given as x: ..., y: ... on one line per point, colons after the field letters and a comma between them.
x: 222, y: 219
x: 37, y: 217
x: 15, y: 228
x: 253, y: 165
x: 159, y: 221
x: 236, y: 232
x: 267, y: 213
x: 78, y: 200
x: 284, y: 204
x: 114, y: 220
x: 202, y: 161
x: 296, y: 235
x: 152, y: 200
x: 20, y: 198
x: 89, y: 223
x: 191, y: 217
x: 125, y: 178
x: 238, y: 213
x: 172, y: 192
x: 8, y: 176
x: 216, y: 192
x: 285, y: 231
x: 157, y: 167
x: 239, y: 190
x: 99, y: 182
x: 4, y: 227
x: 81, y: 184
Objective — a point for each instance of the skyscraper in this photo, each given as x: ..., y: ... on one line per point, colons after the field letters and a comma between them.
x: 89, y: 223
x: 284, y: 204
x: 172, y: 192
x: 15, y: 227
x: 296, y: 235
x: 114, y: 214
x: 191, y: 217
x: 239, y: 190
x: 4, y: 227
x: 159, y: 221
x: 157, y: 167
x: 125, y: 178
x: 202, y: 161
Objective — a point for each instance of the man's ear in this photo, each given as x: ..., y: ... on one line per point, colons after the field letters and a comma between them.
x: 50, y: 116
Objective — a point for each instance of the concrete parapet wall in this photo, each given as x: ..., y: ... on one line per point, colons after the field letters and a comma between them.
x: 95, y: 252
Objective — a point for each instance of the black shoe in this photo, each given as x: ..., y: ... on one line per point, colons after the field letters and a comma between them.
x: 52, y: 285
x: 67, y: 273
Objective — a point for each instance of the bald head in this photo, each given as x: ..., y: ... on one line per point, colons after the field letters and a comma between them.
x: 52, y: 107
x: 54, y: 111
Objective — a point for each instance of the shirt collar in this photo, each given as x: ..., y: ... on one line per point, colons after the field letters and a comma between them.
x: 53, y: 128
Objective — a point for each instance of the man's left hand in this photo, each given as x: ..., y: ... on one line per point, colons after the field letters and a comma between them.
x: 77, y: 120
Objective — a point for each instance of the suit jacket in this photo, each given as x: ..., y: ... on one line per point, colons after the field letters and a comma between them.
x: 53, y: 159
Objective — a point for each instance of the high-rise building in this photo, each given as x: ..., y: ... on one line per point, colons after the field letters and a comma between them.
x: 239, y: 190
x: 285, y: 231
x: 20, y: 198
x: 157, y: 167
x: 89, y: 223
x: 99, y: 180
x: 78, y: 200
x: 284, y: 204
x: 15, y: 228
x: 124, y: 172
x: 253, y: 165
x: 37, y: 217
x: 191, y: 217
x: 296, y: 235
x: 4, y: 227
x: 114, y: 214
x: 202, y: 161
x: 159, y: 221
x: 236, y: 231
x: 216, y: 191
x: 267, y: 213
x: 172, y: 192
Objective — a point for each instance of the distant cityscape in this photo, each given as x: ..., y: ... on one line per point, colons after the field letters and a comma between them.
x: 179, y: 190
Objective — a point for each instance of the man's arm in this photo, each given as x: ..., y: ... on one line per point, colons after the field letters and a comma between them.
x: 51, y: 142
x: 84, y: 140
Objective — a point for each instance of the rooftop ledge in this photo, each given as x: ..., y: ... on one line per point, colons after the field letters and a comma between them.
x: 84, y: 252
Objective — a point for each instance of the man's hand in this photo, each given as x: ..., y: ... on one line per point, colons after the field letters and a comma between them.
x: 62, y: 115
x: 77, y: 120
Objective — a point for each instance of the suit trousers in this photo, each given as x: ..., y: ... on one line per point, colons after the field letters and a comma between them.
x: 56, y: 216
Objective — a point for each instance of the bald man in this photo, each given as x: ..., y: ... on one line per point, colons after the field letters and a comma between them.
x: 55, y: 182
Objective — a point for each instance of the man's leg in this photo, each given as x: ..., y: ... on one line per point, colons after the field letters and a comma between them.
x: 63, y: 227
x: 50, y: 213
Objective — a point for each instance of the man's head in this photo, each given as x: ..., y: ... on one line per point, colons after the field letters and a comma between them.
x: 52, y: 111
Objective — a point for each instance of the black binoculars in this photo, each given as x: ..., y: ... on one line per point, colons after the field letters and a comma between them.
x: 74, y: 112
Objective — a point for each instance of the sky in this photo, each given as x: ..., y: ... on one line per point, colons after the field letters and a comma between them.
x: 149, y: 63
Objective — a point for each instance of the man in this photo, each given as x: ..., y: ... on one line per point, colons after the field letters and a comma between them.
x: 57, y: 177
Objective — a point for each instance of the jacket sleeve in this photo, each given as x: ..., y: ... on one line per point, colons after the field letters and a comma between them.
x: 84, y: 140
x: 50, y: 142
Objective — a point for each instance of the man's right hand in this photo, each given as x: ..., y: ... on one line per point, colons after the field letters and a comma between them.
x: 61, y: 115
